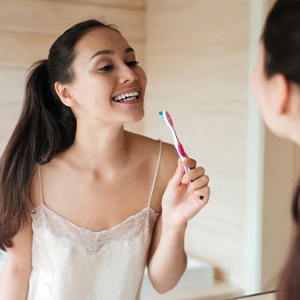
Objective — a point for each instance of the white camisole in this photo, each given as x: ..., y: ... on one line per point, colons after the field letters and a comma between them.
x: 74, y: 263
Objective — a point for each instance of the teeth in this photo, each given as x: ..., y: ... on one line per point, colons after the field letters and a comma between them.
x: 126, y: 97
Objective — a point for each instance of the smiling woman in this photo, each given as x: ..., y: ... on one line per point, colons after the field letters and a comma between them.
x: 84, y: 204
x: 101, y: 76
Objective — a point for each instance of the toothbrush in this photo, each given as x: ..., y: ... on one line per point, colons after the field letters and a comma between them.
x: 166, y: 118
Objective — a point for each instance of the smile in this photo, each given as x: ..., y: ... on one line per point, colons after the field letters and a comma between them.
x: 127, y: 97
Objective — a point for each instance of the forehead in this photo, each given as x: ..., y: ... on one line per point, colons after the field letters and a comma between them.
x: 100, y: 39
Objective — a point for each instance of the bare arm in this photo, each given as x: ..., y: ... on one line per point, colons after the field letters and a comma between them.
x: 14, y: 280
x: 167, y: 259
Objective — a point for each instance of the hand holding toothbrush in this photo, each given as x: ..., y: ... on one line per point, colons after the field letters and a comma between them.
x: 187, y: 191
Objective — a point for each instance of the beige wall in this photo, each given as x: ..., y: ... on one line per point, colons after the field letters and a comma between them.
x: 29, y: 27
x: 197, y: 64
x: 196, y: 55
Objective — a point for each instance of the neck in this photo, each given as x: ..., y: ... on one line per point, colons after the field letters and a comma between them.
x: 107, y: 146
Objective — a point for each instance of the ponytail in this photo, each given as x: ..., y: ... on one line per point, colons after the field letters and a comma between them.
x: 45, y: 127
x: 52, y: 123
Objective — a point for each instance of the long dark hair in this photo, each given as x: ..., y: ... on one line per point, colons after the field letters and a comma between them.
x: 281, y: 41
x: 45, y: 128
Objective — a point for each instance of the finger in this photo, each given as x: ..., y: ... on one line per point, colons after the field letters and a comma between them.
x: 199, y: 183
x: 193, y: 175
x: 202, y: 194
x: 190, y: 163
x: 177, y: 177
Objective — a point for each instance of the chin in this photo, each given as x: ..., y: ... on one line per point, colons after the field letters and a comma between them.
x: 139, y: 118
x: 136, y: 117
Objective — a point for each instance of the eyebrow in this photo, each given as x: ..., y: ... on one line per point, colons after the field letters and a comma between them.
x: 109, y: 52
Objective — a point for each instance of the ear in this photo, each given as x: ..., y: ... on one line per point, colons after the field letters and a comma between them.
x: 281, y: 93
x: 63, y: 92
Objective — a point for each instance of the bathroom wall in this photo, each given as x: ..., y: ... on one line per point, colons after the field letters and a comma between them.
x: 29, y: 27
x: 197, y: 63
x: 197, y: 57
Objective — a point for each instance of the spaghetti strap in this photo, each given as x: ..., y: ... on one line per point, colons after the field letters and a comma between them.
x: 40, y: 184
x: 156, y: 172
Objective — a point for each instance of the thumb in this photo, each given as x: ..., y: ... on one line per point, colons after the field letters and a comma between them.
x: 177, y: 177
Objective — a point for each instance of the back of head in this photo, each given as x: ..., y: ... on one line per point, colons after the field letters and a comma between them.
x: 281, y: 40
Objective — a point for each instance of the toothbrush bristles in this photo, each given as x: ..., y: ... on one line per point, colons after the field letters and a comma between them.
x: 161, y: 113
x: 162, y: 116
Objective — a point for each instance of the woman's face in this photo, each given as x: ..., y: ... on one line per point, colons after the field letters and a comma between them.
x: 108, y: 85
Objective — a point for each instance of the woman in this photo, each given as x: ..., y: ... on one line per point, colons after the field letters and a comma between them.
x: 276, y: 85
x: 84, y: 204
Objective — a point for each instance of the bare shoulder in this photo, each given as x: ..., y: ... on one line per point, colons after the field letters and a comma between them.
x: 167, y: 163
x: 150, y: 146
x: 169, y: 158
x: 167, y: 168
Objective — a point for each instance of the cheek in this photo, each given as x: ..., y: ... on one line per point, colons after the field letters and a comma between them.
x: 89, y: 86
x: 142, y: 77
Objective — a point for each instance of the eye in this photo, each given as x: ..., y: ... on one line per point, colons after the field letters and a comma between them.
x: 132, y: 64
x: 107, y: 68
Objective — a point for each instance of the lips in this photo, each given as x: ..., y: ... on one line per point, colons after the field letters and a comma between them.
x: 126, y: 97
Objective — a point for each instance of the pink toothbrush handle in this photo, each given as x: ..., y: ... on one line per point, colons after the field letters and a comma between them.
x: 182, y: 155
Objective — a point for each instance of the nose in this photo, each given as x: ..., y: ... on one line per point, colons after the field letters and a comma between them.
x: 127, y: 75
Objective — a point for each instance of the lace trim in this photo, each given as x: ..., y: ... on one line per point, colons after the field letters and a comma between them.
x: 92, y: 241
